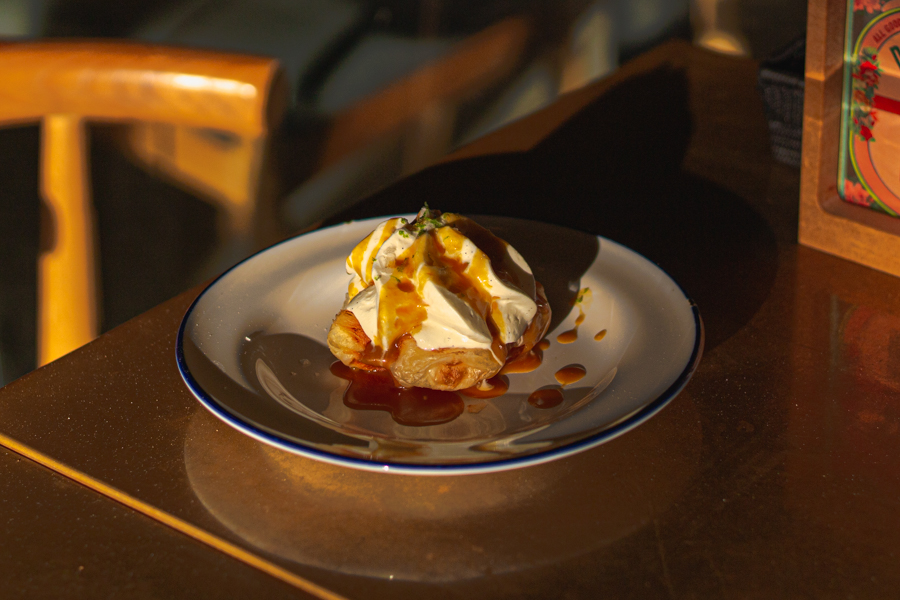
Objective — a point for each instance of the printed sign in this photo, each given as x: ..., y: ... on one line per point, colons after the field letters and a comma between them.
x: 870, y: 145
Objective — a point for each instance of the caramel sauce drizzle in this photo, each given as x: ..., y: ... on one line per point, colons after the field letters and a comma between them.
x: 362, y: 255
x: 524, y: 363
x: 471, y: 278
x: 600, y: 335
x: 568, y: 337
x: 582, y: 301
x: 490, y: 388
x: 378, y: 357
x: 571, y: 374
x: 416, y: 407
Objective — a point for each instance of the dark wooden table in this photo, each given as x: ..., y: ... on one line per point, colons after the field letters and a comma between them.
x: 775, y: 473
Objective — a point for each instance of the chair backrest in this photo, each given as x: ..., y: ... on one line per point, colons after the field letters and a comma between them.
x: 124, y: 81
x: 64, y: 84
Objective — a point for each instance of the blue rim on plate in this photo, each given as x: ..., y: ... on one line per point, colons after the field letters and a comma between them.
x: 230, y: 287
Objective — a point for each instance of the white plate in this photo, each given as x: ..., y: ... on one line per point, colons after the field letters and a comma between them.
x: 252, y: 349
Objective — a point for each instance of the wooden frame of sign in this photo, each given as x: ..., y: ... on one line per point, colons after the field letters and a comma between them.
x: 826, y: 221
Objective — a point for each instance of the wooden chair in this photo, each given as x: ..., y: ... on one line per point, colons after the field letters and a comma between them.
x: 420, y: 109
x: 64, y: 84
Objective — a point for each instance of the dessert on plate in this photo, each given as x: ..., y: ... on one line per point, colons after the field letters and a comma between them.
x: 439, y: 302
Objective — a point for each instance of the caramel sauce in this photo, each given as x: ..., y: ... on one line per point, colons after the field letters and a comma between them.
x: 415, y: 407
x: 571, y: 374
x: 524, y: 363
x: 491, y: 388
x: 379, y: 357
x: 400, y: 311
x: 457, y: 271
x: 500, y: 350
x: 567, y: 337
x: 546, y: 398
x: 543, y: 345
x: 541, y: 321
x: 582, y: 301
x: 493, y: 247
x: 600, y: 335
x: 491, y: 254
x: 369, y: 245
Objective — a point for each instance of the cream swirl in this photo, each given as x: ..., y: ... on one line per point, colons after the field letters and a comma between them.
x: 443, y: 279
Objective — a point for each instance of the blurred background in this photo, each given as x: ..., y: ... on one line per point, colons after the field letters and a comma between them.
x: 481, y: 64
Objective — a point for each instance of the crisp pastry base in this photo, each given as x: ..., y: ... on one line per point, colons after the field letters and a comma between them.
x: 448, y: 369
x: 443, y: 369
x: 347, y: 341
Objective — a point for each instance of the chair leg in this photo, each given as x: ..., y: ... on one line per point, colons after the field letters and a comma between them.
x: 67, y: 286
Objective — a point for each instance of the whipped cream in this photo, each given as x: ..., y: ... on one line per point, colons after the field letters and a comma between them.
x: 442, y: 278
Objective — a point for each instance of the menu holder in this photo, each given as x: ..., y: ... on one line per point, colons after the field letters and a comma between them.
x: 827, y: 222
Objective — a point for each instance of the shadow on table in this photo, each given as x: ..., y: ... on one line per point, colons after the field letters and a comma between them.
x: 614, y: 169
x: 407, y: 531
